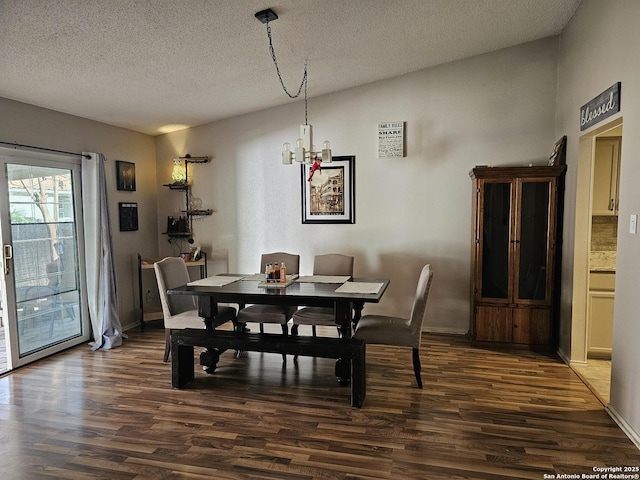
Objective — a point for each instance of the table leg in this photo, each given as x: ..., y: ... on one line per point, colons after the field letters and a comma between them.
x: 209, y: 358
x: 343, y: 320
x: 358, y: 378
x: 357, y: 308
x: 207, y: 309
x: 182, y: 368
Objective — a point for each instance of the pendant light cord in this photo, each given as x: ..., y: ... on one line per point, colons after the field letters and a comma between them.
x: 304, y: 77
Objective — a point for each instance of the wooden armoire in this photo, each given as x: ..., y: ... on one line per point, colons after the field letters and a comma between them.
x: 517, y: 232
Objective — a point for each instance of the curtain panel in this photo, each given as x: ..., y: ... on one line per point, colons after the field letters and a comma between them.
x: 100, y: 267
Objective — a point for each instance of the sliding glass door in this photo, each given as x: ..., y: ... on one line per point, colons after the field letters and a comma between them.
x: 45, y: 308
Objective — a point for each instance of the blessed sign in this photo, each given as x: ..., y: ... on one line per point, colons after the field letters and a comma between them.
x: 601, y: 107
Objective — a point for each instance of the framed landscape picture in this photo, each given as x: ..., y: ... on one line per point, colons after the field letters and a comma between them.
x: 328, y: 196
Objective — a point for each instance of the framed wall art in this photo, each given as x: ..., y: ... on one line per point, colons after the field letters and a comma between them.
x: 126, y: 175
x: 128, y: 214
x: 328, y: 192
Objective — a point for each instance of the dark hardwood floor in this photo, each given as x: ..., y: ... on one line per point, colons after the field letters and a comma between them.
x: 482, y: 414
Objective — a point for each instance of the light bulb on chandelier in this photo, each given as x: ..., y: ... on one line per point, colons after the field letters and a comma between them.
x: 305, y: 150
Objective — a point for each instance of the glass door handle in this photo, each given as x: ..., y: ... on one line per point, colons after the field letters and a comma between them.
x: 8, y: 255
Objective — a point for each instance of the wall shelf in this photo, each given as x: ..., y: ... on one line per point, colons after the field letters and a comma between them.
x: 186, y: 187
x: 197, y: 213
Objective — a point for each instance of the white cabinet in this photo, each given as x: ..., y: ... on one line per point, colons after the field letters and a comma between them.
x: 606, y: 176
x: 600, y: 314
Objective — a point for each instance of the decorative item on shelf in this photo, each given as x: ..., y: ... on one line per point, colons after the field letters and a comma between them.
x: 195, y: 203
x: 559, y: 154
x: 177, y: 226
x: 179, y: 172
x: 305, y: 151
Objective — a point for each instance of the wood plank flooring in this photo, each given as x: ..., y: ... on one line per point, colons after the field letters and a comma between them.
x: 482, y: 414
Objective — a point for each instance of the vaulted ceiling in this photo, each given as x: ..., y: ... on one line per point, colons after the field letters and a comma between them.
x: 159, y: 65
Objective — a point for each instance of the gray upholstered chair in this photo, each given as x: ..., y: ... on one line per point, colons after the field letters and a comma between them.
x: 181, y: 311
x: 329, y: 264
x: 401, y: 332
x: 271, y: 313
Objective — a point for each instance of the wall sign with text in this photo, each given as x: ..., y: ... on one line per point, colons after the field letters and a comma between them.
x: 601, y: 107
x: 391, y: 140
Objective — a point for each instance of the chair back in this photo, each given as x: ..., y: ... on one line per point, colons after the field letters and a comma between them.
x: 333, y: 264
x: 172, y: 272
x: 292, y: 262
x: 420, y: 303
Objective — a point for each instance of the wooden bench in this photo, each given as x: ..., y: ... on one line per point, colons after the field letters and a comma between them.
x: 351, y: 351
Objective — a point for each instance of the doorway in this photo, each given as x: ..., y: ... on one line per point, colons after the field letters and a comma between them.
x: 595, y: 247
x: 44, y: 306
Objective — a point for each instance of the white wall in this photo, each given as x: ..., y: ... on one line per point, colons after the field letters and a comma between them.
x: 596, y: 50
x: 496, y: 108
x: 30, y: 125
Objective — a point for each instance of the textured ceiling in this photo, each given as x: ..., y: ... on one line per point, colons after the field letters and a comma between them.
x: 156, y: 65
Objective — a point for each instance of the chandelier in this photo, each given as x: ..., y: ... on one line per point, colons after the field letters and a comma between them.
x: 305, y: 150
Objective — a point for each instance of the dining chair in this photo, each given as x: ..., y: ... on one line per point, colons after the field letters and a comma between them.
x: 388, y: 330
x: 329, y: 264
x: 181, y: 311
x: 271, y: 313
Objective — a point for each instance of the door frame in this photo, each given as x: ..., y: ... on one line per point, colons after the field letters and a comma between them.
x: 582, y: 240
x: 8, y: 292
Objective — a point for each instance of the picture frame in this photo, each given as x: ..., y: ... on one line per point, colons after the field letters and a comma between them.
x: 126, y: 176
x: 328, y: 194
x: 128, y: 215
x: 559, y: 154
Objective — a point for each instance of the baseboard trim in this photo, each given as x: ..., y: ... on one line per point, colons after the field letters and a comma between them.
x: 443, y: 330
x: 563, y: 357
x: 129, y: 326
x: 624, y: 426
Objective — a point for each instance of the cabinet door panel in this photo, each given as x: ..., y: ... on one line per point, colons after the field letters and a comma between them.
x: 604, y: 199
x: 495, y: 240
x: 533, y: 240
x: 493, y: 324
x: 600, y: 315
x: 532, y: 326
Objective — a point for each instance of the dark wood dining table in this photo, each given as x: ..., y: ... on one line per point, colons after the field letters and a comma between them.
x: 347, y: 307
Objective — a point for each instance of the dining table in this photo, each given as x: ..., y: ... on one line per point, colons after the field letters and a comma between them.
x: 345, y: 295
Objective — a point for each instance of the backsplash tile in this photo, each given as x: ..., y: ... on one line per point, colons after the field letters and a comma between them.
x: 602, y: 261
x: 604, y: 233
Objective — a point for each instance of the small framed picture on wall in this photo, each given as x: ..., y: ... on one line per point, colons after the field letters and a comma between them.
x: 126, y: 175
x: 128, y: 214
